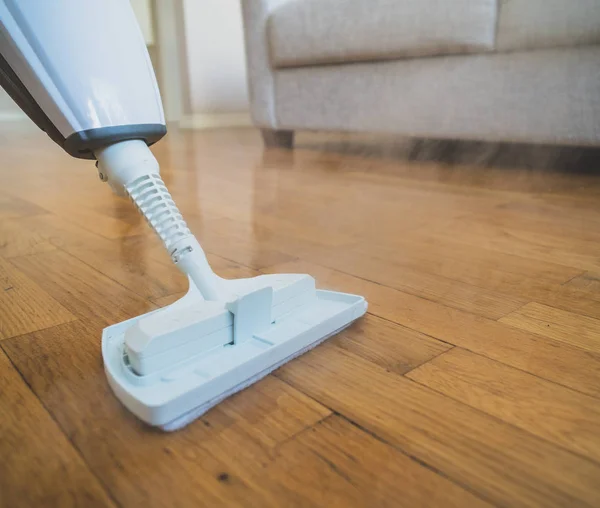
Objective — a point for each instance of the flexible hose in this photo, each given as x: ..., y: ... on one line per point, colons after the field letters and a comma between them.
x: 130, y: 165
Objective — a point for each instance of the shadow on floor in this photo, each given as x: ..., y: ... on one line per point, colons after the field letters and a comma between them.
x: 568, y: 159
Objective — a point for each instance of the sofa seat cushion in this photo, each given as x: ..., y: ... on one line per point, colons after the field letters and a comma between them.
x: 536, y: 24
x: 311, y: 32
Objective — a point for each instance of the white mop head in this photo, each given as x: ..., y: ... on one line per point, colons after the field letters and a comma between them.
x: 172, y: 365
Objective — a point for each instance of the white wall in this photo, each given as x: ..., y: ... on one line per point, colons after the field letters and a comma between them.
x: 215, y: 57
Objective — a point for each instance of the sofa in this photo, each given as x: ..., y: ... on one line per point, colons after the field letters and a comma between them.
x: 496, y: 70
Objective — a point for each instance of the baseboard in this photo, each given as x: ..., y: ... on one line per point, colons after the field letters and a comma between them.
x: 216, y: 120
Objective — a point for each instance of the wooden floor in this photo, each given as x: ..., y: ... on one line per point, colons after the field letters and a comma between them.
x: 473, y: 381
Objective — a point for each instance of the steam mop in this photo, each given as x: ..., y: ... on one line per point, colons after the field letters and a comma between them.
x: 81, y: 71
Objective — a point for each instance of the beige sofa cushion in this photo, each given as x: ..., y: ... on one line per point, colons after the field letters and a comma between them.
x: 309, y: 32
x: 534, y: 24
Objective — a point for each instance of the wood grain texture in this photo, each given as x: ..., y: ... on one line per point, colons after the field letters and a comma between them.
x: 559, y: 415
x: 79, y: 210
x: 24, y: 306
x: 473, y: 381
x: 18, y: 240
x: 578, y: 253
x: 389, y: 345
x: 422, y: 252
x: 11, y: 207
x: 216, y: 462
x: 335, y: 463
x: 127, y: 260
x: 553, y: 360
x: 81, y: 289
x: 506, y: 276
x: 39, y: 466
x: 557, y: 324
x: 237, y: 241
x: 498, y: 461
x: 444, y: 290
x: 588, y: 281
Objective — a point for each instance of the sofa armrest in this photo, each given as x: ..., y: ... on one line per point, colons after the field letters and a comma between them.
x: 260, y: 72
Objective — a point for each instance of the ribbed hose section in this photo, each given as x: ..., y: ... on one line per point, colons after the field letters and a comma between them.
x: 154, y: 201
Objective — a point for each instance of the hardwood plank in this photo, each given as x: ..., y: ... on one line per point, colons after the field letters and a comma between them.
x: 560, y: 325
x: 82, y: 290
x: 507, y: 278
x: 33, y: 472
x: 237, y: 241
x: 541, y: 217
x: 443, y: 290
x: 130, y: 265
x: 562, y: 416
x: 251, y: 197
x: 60, y: 232
x: 12, y: 207
x: 503, y: 275
x: 139, y: 263
x: 562, y: 208
x: 577, y: 241
x: 553, y: 360
x: 470, y: 264
x: 79, y: 210
x: 17, y: 240
x: 125, y: 261
x: 335, y: 463
x: 217, y: 461
x: 589, y: 281
x: 582, y: 254
x: 168, y: 300
x: 500, y: 462
x: 393, y: 347
x: 567, y: 298
x: 25, y: 306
